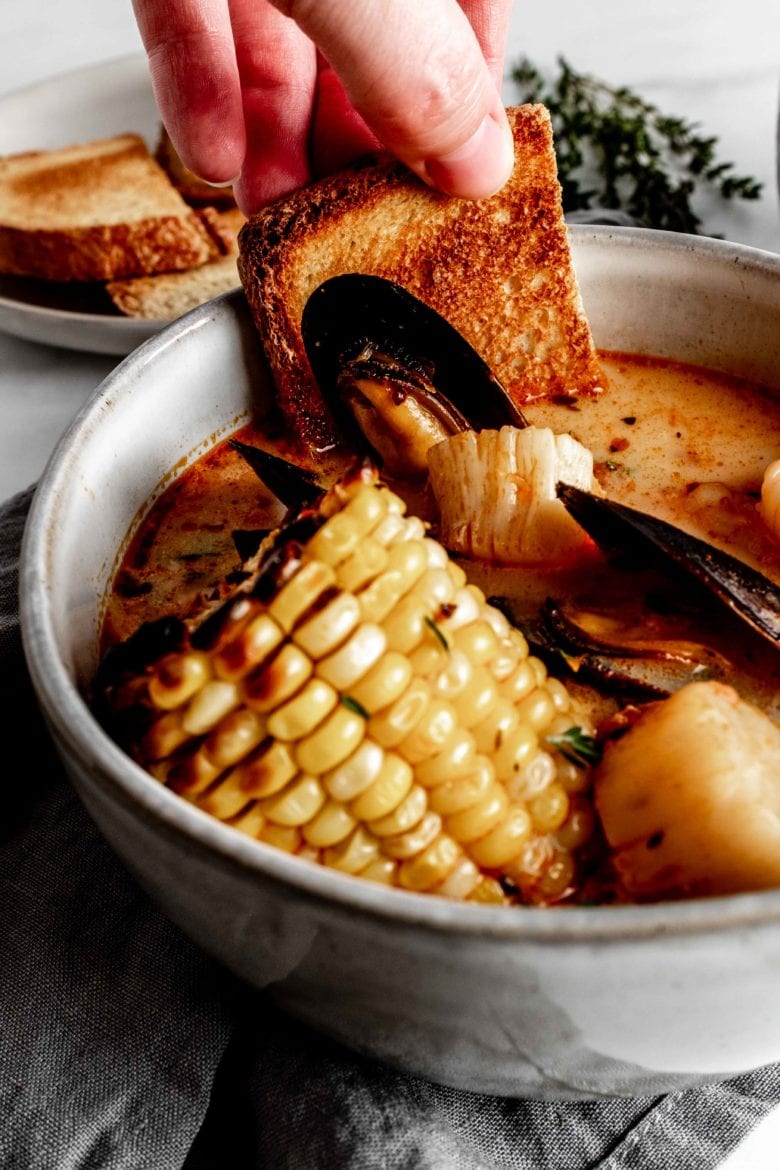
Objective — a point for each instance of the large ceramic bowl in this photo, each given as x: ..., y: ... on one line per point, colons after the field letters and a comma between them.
x: 576, y: 1002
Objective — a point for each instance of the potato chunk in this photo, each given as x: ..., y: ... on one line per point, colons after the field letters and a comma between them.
x: 690, y: 797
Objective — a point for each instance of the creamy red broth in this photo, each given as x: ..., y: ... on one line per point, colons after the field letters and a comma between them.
x: 681, y: 442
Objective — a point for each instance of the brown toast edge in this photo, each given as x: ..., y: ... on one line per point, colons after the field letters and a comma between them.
x: 499, y: 269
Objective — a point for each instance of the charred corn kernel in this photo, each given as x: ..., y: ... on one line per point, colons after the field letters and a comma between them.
x: 177, y: 677
x: 406, y: 564
x: 354, y: 853
x: 391, y: 726
x: 223, y: 801
x: 361, y: 706
x: 266, y: 770
x: 430, y: 867
x: 463, y: 792
x: 332, y: 625
x: 550, y: 808
x: 212, y: 702
x: 503, y: 843
x: 342, y: 533
x: 332, y: 742
x: 282, y: 837
x: 472, y: 823
x: 384, y: 683
x: 191, y: 774
x: 300, y: 593
x: 368, y: 561
x: 383, y: 870
x: 415, y: 840
x: 332, y: 824
x: 391, y: 786
x: 251, y: 821
x: 458, y: 757
x: 164, y: 737
x: 537, y: 709
x: 234, y: 737
x: 357, y: 773
x: 514, y: 752
x: 296, y: 804
x: 270, y: 685
x: 355, y: 658
x: 304, y: 712
x: 408, y: 813
x: 259, y: 637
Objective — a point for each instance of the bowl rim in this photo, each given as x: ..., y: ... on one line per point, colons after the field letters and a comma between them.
x: 69, y: 715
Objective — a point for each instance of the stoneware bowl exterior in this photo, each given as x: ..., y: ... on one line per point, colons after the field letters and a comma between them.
x: 565, y: 1003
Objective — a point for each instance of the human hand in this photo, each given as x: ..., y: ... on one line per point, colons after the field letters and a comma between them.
x: 273, y: 93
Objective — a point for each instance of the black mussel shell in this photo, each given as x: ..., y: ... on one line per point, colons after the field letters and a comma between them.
x: 631, y: 533
x: 350, y: 312
x: 293, y: 486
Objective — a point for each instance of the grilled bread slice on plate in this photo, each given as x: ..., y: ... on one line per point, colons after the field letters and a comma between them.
x: 103, y: 210
x: 498, y: 269
x: 170, y: 294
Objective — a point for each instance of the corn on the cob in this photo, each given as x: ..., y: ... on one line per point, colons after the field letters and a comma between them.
x: 359, y: 703
x: 689, y: 797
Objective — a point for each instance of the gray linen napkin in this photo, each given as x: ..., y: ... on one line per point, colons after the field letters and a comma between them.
x: 123, y: 1047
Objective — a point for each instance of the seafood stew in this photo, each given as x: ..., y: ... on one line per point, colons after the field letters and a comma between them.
x: 658, y: 442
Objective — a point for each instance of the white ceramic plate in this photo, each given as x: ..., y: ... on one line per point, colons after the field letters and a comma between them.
x: 94, y: 102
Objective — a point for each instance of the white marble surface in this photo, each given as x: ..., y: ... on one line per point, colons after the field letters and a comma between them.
x: 711, y: 61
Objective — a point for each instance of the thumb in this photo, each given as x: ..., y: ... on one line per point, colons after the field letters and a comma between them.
x: 416, y: 74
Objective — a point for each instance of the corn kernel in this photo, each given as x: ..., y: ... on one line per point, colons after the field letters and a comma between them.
x: 386, y: 793
x: 332, y: 742
x: 177, y: 677
x: 304, y: 712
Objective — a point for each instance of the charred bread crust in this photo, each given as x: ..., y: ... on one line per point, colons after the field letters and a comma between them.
x: 498, y: 269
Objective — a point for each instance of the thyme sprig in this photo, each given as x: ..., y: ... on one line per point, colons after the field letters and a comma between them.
x: 577, y: 746
x: 616, y: 150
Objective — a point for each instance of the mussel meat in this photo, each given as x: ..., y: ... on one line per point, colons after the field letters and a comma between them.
x: 397, y: 376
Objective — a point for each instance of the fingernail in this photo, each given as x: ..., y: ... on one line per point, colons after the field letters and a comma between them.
x: 227, y: 183
x: 481, y: 166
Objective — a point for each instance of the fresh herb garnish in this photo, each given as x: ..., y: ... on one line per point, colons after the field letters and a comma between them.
x: 616, y: 150
x: 431, y: 624
x: 578, y: 747
x: 353, y: 705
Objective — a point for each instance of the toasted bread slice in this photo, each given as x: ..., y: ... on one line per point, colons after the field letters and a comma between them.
x: 498, y: 269
x: 97, y: 211
x: 193, y: 189
x: 169, y: 295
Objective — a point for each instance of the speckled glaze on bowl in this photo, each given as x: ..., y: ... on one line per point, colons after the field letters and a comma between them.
x: 566, y: 1003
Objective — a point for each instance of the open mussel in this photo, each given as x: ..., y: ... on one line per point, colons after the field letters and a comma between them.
x: 632, y: 533
x: 397, y: 376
